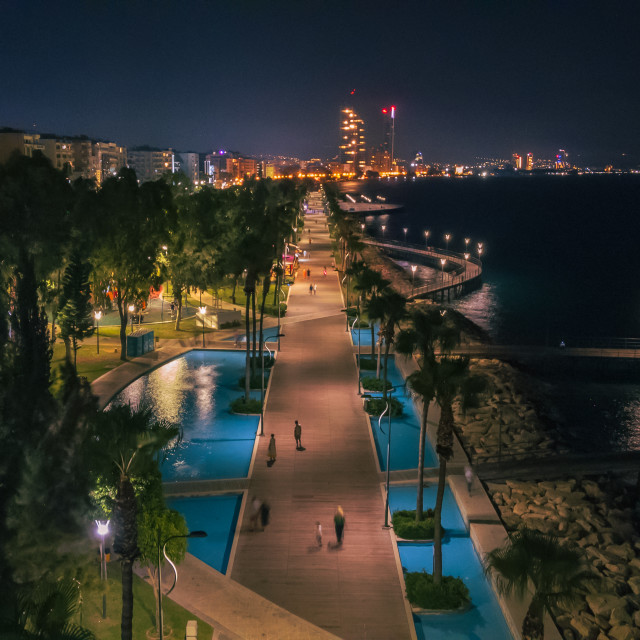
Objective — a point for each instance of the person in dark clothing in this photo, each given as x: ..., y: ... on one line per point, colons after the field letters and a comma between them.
x: 297, y: 434
x: 338, y: 521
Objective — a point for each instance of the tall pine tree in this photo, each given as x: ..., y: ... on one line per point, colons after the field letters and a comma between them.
x: 75, y: 315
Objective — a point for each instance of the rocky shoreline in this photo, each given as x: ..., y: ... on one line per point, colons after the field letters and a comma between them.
x: 596, y: 514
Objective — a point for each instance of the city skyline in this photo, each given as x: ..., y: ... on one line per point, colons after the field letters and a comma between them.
x: 466, y: 81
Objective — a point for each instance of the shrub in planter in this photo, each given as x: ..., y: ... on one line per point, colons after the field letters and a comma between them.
x: 405, y: 525
x: 230, y: 325
x: 376, y: 406
x: 255, y: 382
x: 269, y: 361
x: 449, y: 595
x: 370, y: 383
x: 368, y: 364
x: 240, y: 406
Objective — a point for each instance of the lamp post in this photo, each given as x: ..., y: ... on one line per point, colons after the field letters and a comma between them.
x: 103, y: 530
x: 384, y: 227
x: 466, y: 259
x: 466, y: 243
x: 405, y: 229
x: 192, y: 534
x: 388, y: 411
x: 262, y: 389
x: 413, y: 274
x: 362, y: 225
x: 447, y: 237
x: 442, y: 263
x: 97, y: 315
x: 357, y: 319
x: 131, y: 310
x: 203, y: 313
x: 479, y: 249
x: 426, y: 237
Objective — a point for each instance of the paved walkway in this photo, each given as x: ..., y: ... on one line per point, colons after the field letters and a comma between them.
x: 354, y: 590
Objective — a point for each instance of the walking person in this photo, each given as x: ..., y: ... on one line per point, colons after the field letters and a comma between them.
x: 256, y: 505
x: 468, y: 474
x: 309, y: 274
x: 315, y: 288
x: 297, y: 434
x: 265, y: 510
x: 318, y: 533
x: 338, y: 521
x: 271, y: 451
x: 310, y: 289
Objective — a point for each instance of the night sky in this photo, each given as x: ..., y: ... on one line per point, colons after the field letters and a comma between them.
x: 468, y: 79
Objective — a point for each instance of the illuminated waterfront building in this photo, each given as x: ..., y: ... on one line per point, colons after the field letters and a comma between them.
x: 561, y: 159
x: 517, y: 161
x: 529, y: 161
x: 190, y: 165
x: 59, y: 152
x: 352, y: 140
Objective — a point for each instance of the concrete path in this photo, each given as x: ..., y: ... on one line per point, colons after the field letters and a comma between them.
x: 352, y: 590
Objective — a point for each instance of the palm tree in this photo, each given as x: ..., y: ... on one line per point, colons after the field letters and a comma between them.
x: 556, y: 571
x: 429, y: 328
x: 452, y: 380
x: 392, y: 311
x: 130, y: 440
x: 371, y: 284
x: 45, y: 612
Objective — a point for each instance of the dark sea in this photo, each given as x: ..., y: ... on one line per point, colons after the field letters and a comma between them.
x: 561, y: 261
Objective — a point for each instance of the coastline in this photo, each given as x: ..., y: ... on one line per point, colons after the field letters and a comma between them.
x: 593, y: 513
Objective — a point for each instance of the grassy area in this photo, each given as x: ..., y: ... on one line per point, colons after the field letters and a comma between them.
x: 144, y: 610
x: 165, y: 330
x: 90, y: 364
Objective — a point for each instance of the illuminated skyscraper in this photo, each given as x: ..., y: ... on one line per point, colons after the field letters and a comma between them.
x: 352, y: 143
x: 561, y: 160
x: 517, y: 161
x: 529, y: 161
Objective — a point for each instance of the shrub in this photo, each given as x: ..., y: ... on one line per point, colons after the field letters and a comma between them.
x: 376, y: 406
x: 230, y: 325
x: 255, y: 382
x: 375, y: 384
x: 272, y: 309
x: 368, y: 364
x: 240, y: 406
x: 269, y: 361
x: 450, y: 594
x: 405, y: 525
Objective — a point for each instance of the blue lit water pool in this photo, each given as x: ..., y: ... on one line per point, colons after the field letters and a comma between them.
x: 218, y: 516
x: 195, y: 390
x: 363, y: 335
x: 484, y: 621
x: 405, y: 430
x: 403, y: 497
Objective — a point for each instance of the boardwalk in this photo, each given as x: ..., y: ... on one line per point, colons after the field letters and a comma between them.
x: 461, y: 269
x: 353, y: 591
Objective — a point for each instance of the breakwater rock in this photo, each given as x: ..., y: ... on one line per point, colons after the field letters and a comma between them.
x: 597, y: 516
x: 511, y: 419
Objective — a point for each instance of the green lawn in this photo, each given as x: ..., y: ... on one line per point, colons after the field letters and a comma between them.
x: 165, y: 330
x: 144, y: 608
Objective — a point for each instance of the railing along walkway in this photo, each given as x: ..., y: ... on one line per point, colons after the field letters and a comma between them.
x: 464, y: 271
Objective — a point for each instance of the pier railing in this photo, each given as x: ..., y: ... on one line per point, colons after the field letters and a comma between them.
x: 463, y: 271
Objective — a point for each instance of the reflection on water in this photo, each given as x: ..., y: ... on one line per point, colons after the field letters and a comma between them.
x: 195, y: 391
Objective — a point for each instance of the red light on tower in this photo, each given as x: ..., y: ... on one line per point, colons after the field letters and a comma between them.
x: 384, y: 111
x: 393, y: 112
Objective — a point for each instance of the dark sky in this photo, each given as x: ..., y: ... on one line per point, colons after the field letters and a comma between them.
x: 468, y: 78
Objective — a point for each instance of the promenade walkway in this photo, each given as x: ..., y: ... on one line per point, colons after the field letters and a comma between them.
x: 353, y: 590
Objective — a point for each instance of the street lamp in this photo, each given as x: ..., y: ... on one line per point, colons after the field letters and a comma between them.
x: 103, y: 530
x: 203, y: 313
x: 405, y: 229
x: 442, y: 263
x: 447, y: 238
x: 277, y: 337
x: 97, y: 315
x: 413, y: 273
x: 362, y: 225
x: 131, y: 310
x: 466, y: 243
x: 192, y: 534
x: 479, y: 249
x: 466, y: 259
x: 383, y: 229
x: 426, y: 237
